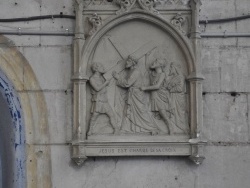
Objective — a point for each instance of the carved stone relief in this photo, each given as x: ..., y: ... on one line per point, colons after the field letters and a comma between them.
x: 178, y: 21
x: 97, y: 2
x: 96, y: 22
x: 129, y: 2
x: 127, y: 5
x: 172, y: 2
x: 137, y: 89
x: 146, y: 88
x: 100, y: 104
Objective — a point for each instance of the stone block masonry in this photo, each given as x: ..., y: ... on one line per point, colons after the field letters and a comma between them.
x: 226, y: 106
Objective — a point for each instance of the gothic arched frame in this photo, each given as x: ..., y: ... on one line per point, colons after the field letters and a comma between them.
x: 93, y: 40
x: 83, y: 50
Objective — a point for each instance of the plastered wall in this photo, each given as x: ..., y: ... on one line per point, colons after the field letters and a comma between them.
x: 226, y: 96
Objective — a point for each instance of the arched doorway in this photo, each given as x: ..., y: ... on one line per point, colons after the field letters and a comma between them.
x: 29, y: 113
x: 12, y: 137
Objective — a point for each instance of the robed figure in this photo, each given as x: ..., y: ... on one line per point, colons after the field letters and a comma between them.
x: 137, y: 118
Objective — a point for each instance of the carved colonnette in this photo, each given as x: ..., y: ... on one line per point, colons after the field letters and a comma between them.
x: 137, y: 79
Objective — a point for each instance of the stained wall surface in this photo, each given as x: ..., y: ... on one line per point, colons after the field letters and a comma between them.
x: 226, y: 96
x: 6, y: 142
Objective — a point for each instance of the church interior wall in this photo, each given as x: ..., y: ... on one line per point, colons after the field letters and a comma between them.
x: 226, y: 105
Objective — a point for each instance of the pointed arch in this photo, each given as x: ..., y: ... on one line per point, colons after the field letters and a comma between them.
x: 92, y: 41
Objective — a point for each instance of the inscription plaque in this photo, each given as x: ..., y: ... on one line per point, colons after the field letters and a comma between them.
x: 137, y: 82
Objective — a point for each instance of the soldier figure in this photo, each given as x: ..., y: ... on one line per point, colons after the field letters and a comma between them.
x: 100, y: 103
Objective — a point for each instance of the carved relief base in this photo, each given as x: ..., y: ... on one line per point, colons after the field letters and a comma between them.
x: 159, y: 148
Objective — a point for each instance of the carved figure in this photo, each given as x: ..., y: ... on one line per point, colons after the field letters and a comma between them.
x: 148, y: 5
x: 178, y: 21
x: 125, y: 5
x: 159, y: 94
x: 96, y: 22
x: 100, y: 103
x: 137, y: 118
x: 175, y: 86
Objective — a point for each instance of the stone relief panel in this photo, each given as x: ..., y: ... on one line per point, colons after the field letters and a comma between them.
x: 137, y: 80
x: 137, y: 84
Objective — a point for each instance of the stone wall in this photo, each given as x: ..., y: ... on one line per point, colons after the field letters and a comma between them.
x: 226, y: 95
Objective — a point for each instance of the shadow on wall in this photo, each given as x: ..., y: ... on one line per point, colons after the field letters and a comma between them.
x: 12, y: 138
